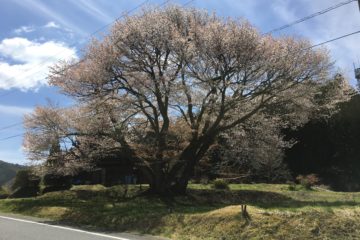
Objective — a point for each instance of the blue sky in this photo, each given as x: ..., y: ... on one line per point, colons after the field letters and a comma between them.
x: 34, y: 34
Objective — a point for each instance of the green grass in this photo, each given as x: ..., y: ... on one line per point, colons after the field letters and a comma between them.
x: 205, y: 213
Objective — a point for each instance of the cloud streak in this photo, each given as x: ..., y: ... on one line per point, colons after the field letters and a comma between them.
x: 14, y: 110
x: 94, y: 10
x: 42, y: 8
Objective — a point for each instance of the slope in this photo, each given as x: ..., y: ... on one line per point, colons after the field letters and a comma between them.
x: 8, y: 171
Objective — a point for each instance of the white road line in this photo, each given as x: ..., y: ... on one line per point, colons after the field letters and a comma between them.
x: 65, y: 228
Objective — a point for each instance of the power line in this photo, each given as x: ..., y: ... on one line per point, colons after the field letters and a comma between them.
x: 310, y: 16
x: 123, y: 15
x: 332, y: 40
x: 188, y: 2
x: 20, y: 123
x: 14, y: 136
x: 11, y: 126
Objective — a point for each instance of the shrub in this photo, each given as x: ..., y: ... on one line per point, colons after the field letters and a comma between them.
x: 220, y: 184
x: 26, y: 184
x: 25, y: 178
x: 308, y: 181
x: 56, y: 180
x: 24, y: 192
x: 54, y: 183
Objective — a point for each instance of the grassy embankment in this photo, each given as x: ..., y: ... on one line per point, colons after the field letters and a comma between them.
x: 275, y: 212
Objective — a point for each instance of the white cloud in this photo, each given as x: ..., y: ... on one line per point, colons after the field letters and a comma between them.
x: 14, y: 110
x: 30, y: 62
x: 52, y: 25
x: 24, y: 29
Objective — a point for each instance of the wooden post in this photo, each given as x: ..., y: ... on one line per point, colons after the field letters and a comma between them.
x: 103, y: 176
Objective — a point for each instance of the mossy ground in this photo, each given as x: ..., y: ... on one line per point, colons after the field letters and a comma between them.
x: 205, y: 213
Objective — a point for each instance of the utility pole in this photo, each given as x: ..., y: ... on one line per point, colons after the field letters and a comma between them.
x: 357, y: 73
x: 359, y: 4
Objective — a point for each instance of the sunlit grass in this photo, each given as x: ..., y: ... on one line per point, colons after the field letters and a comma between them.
x: 205, y: 213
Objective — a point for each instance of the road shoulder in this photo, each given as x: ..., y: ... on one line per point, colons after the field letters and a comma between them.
x: 125, y: 235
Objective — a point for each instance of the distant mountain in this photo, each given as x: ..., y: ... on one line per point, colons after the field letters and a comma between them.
x: 8, y: 171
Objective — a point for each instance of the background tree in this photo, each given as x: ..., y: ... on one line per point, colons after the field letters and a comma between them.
x: 164, y: 84
x: 254, y: 153
x: 329, y: 147
x: 257, y: 149
x: 66, y: 140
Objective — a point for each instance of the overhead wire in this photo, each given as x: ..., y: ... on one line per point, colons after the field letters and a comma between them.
x: 332, y: 40
x: 10, y: 126
x: 14, y: 136
x: 20, y: 123
x: 310, y: 16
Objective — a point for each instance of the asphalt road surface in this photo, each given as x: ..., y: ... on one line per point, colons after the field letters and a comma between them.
x: 15, y: 228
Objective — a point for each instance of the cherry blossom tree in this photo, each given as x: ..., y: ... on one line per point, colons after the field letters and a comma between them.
x: 163, y: 84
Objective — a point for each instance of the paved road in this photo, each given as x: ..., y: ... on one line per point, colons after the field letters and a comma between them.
x: 18, y: 228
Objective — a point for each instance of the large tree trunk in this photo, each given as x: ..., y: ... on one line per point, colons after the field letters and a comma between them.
x: 158, y: 183
x: 181, y: 183
x: 175, y: 181
x: 191, y: 156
